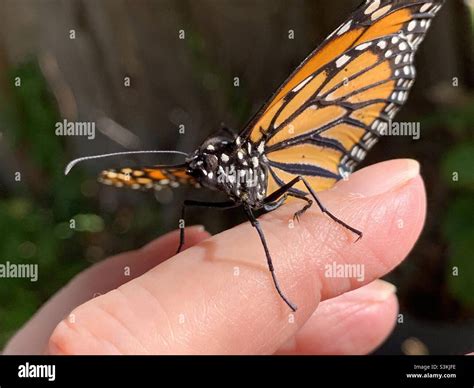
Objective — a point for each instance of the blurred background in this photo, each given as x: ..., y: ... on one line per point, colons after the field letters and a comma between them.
x: 161, y: 74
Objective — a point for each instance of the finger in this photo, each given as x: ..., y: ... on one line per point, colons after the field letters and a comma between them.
x: 356, y: 322
x: 96, y: 280
x: 218, y: 296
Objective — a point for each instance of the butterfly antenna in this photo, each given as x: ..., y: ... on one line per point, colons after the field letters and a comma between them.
x: 75, y: 161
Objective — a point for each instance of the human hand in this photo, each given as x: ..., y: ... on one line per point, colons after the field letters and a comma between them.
x: 217, y: 296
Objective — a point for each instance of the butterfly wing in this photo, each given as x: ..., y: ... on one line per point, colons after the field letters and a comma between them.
x: 148, y: 177
x: 326, y: 116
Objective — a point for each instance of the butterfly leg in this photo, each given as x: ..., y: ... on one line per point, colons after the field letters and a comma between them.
x: 324, y: 210
x: 257, y: 226
x: 300, y: 212
x: 190, y: 203
x: 285, y: 188
x: 270, y: 206
x: 278, y: 197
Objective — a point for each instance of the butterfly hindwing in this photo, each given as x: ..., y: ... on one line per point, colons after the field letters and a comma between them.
x: 332, y: 109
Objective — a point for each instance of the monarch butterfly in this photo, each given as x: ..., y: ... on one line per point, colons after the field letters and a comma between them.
x: 314, y: 130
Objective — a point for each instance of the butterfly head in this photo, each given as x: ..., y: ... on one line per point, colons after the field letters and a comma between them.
x: 232, y: 167
x: 204, y: 163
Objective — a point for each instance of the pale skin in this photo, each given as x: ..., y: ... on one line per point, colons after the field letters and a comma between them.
x: 217, y: 297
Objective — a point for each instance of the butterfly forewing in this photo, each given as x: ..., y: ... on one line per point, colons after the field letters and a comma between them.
x: 330, y: 112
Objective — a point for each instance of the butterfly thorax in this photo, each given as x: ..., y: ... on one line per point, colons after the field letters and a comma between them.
x: 236, y: 167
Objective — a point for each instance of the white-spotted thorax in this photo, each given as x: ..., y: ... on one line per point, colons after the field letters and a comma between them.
x: 233, y: 166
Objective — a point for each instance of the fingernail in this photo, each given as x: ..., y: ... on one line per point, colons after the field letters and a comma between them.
x: 198, y: 228
x: 377, y: 291
x: 382, y: 177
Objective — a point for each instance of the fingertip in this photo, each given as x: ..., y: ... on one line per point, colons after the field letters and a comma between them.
x: 380, y: 178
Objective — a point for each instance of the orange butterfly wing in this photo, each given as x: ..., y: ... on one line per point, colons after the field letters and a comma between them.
x: 147, y: 178
x: 326, y: 116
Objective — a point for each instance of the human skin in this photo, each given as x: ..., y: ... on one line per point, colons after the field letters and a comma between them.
x: 217, y: 296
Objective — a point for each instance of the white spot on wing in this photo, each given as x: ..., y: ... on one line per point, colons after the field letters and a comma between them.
x: 344, y: 28
x: 363, y: 46
x: 342, y: 60
x: 372, y: 7
x: 402, y: 46
x: 302, y: 84
x: 382, y: 44
x: 380, y: 12
x: 425, y: 7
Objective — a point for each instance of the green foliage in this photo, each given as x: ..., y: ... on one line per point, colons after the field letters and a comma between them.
x: 458, y: 120
x: 458, y: 166
x: 458, y: 229
x: 30, y: 219
x: 457, y: 172
x: 46, y: 219
x: 236, y: 98
x: 89, y: 223
x: 27, y: 239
